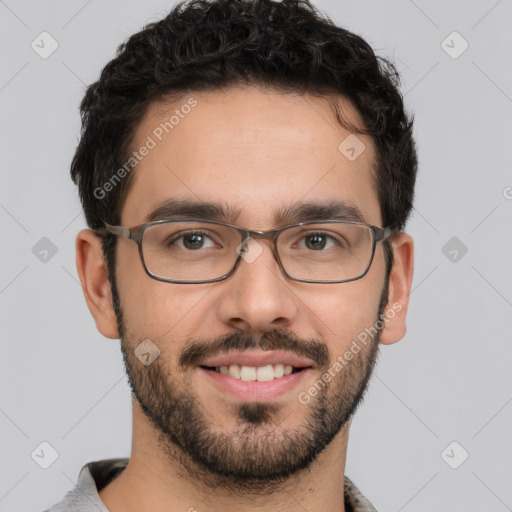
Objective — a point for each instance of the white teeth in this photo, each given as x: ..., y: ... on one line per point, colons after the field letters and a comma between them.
x: 252, y: 373
x: 278, y: 371
x: 264, y: 373
x: 248, y: 373
x: 234, y: 371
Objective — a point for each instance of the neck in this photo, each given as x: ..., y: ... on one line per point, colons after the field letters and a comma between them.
x: 157, y: 480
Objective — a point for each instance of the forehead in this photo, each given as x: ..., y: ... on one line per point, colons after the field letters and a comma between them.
x: 260, y: 154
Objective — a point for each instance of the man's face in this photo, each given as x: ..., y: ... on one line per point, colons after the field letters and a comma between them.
x: 258, y: 152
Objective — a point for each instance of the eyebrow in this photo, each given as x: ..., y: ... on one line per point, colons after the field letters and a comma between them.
x: 223, y: 212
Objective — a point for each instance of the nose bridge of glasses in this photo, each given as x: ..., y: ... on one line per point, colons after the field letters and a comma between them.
x: 262, y: 235
x: 269, y: 235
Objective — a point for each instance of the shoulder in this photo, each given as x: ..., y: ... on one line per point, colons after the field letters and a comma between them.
x: 355, y: 501
x: 92, y: 478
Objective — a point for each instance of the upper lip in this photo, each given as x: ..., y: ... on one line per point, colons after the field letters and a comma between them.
x: 258, y: 358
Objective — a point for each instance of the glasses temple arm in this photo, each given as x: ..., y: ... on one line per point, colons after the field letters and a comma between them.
x: 118, y: 230
x: 385, y: 233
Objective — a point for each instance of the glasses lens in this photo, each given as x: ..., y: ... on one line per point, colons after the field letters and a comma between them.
x: 201, y: 251
x: 189, y: 250
x: 327, y: 251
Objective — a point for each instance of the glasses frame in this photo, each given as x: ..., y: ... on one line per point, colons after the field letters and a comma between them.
x: 136, y: 233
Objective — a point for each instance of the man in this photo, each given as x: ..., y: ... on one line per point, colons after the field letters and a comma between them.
x: 247, y: 352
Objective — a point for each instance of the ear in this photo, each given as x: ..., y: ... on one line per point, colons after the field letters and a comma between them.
x: 92, y: 271
x: 400, y: 281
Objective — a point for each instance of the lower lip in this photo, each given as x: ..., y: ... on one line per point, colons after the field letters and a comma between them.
x: 253, y: 391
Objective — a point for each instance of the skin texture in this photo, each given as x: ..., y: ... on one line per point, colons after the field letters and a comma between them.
x: 256, y: 150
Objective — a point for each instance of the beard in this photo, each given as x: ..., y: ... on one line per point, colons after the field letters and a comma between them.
x: 259, y: 453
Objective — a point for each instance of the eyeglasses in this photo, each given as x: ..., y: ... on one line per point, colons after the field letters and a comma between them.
x: 188, y: 251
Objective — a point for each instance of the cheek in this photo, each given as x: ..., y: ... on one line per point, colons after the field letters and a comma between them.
x: 158, y: 310
x: 345, y: 310
x: 132, y: 281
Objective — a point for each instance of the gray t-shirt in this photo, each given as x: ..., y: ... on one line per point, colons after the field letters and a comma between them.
x: 95, y: 475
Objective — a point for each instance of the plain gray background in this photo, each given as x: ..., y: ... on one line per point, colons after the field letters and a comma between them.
x: 447, y: 381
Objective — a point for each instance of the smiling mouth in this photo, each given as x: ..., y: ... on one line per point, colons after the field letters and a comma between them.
x: 256, y: 373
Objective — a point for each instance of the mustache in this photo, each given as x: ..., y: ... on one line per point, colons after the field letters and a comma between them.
x: 276, y: 339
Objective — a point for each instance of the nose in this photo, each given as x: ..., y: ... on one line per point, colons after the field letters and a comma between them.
x: 258, y: 296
